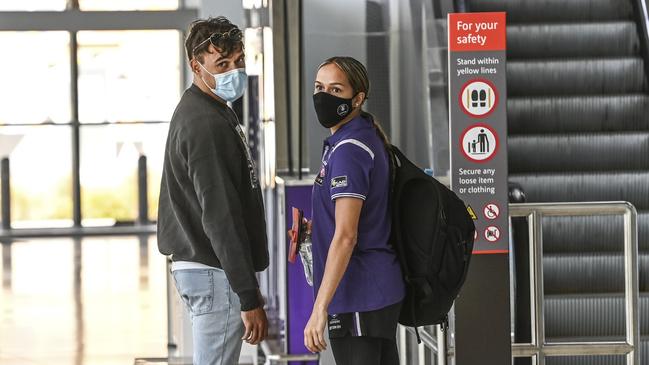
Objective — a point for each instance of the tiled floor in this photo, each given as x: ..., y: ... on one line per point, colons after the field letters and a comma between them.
x: 92, y: 301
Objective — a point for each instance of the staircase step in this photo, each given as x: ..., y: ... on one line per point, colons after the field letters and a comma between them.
x: 580, y: 187
x: 608, y: 39
x: 522, y: 11
x: 600, y: 315
x: 578, y: 152
x: 578, y: 113
x: 590, y: 273
x: 576, y: 77
x: 589, y: 234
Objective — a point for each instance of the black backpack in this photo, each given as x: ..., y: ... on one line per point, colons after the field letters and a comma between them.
x: 432, y: 234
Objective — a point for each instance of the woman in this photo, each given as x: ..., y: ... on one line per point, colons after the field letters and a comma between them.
x: 357, y: 279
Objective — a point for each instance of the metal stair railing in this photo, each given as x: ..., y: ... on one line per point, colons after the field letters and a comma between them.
x: 539, y: 348
x: 432, y: 342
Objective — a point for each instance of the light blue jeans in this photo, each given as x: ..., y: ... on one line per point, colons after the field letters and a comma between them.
x: 215, y: 310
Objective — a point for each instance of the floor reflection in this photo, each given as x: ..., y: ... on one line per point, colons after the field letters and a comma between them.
x: 6, y: 265
x: 92, y: 301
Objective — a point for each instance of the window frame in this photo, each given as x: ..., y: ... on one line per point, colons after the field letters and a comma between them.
x: 72, y: 20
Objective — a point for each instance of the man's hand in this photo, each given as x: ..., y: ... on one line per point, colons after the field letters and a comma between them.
x: 256, y: 325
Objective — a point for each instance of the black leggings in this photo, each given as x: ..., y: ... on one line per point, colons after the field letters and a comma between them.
x: 363, y: 350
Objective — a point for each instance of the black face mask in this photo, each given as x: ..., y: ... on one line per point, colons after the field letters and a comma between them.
x: 331, y: 109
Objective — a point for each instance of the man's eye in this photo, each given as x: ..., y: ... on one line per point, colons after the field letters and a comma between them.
x: 318, y: 87
x: 336, y: 90
x: 222, y: 64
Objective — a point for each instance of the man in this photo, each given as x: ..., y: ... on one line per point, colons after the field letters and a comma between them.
x: 211, y: 214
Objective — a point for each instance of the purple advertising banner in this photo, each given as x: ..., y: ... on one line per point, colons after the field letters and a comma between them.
x: 299, y: 294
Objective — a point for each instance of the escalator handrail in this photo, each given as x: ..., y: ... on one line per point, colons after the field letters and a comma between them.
x: 642, y: 17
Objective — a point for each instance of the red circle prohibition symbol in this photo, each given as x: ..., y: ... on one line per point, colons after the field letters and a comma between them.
x: 483, y: 125
x: 485, y: 214
x: 496, y: 94
x: 491, y: 238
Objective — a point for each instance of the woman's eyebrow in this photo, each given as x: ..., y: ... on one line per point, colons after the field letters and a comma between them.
x: 336, y: 83
x: 332, y: 84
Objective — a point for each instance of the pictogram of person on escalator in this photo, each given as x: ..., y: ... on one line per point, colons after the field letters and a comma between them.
x: 483, y: 141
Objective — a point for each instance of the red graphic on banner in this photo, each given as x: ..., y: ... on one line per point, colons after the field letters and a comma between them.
x: 492, y: 233
x: 479, y: 143
x: 478, y: 98
x: 491, y: 211
x: 477, y: 31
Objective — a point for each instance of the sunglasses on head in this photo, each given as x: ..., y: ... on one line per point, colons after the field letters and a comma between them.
x: 233, y: 34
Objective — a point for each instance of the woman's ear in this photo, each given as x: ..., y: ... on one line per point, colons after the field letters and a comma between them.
x: 358, y: 100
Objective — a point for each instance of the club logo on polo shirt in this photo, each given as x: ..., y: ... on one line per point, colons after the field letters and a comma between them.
x: 342, y: 109
x: 320, y: 178
x: 339, y: 182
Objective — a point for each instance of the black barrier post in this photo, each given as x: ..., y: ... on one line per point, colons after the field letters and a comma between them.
x: 5, y: 195
x: 143, y: 195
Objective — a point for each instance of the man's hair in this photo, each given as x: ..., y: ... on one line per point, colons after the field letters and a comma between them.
x: 201, y: 29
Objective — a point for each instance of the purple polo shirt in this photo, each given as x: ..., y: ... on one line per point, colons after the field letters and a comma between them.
x: 355, y: 164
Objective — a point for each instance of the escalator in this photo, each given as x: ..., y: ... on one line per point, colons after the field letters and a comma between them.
x: 578, y: 114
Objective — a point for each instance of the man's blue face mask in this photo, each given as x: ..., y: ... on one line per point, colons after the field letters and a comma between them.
x: 230, y: 85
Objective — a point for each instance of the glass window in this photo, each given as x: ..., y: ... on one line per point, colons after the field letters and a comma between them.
x: 109, y: 165
x: 107, y: 5
x: 41, y: 174
x: 32, y: 5
x: 35, y: 86
x: 128, y: 76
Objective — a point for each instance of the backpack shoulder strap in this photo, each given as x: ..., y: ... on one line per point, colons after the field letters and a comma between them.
x: 396, y: 158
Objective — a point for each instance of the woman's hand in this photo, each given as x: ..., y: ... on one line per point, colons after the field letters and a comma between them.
x: 314, y: 331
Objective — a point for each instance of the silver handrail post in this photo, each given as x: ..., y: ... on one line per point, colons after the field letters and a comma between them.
x: 631, y: 282
x: 441, y: 345
x: 536, y: 283
x: 171, y: 341
x: 403, y: 345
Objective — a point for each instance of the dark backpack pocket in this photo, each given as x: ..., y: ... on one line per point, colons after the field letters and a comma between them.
x: 451, y: 269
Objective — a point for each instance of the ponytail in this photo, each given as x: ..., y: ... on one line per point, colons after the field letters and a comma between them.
x: 392, y: 162
x: 378, y: 128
